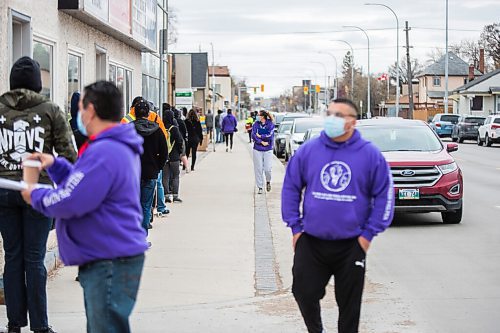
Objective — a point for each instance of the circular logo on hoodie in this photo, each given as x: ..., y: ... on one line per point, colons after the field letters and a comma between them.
x: 336, y: 176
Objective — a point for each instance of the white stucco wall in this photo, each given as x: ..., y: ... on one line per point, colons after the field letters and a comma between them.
x: 226, y: 91
x: 66, y: 33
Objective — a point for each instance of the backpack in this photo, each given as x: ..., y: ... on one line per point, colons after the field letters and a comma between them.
x: 170, y: 143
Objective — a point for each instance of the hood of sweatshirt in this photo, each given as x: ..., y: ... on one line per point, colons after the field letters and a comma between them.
x: 125, y: 134
x: 145, y: 127
x: 21, y: 99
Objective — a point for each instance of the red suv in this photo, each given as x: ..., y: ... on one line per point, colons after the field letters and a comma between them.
x: 426, y: 177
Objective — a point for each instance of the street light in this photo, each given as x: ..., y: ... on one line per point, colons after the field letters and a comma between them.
x: 326, y: 80
x: 397, y: 52
x: 213, y: 94
x: 336, y: 70
x: 446, y: 63
x: 352, y: 64
x: 369, y: 107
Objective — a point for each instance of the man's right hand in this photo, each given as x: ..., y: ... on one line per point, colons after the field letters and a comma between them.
x: 295, y: 239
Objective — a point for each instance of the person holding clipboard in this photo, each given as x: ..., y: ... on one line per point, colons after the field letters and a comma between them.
x: 263, y: 137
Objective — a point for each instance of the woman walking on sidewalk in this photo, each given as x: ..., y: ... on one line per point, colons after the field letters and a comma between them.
x: 195, y: 135
x: 263, y: 137
x: 171, y: 170
x: 229, y: 126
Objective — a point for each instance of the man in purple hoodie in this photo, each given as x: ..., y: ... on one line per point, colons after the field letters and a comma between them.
x: 347, y: 192
x: 98, y: 210
x: 229, y: 126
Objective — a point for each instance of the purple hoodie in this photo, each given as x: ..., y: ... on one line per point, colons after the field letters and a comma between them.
x: 96, y: 202
x: 348, y: 189
x: 229, y: 124
x: 266, y: 132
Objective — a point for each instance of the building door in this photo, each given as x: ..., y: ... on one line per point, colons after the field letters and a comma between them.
x: 100, y: 64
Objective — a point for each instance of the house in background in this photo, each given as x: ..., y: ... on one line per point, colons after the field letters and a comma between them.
x: 480, y: 96
x: 223, y: 86
x: 431, y: 87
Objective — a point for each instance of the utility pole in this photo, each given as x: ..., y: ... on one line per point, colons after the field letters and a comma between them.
x: 410, y: 77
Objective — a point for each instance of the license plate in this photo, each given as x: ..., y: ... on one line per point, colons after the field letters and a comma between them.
x: 407, y: 194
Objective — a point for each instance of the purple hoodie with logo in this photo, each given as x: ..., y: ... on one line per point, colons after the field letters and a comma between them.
x: 348, y: 189
x: 266, y: 132
x: 96, y: 202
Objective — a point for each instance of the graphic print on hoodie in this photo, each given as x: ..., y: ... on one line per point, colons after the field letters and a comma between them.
x: 348, y: 189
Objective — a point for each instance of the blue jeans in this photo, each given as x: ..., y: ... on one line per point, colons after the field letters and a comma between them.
x: 147, y: 195
x: 218, y: 135
x: 160, y: 194
x: 24, y: 232
x: 110, y: 290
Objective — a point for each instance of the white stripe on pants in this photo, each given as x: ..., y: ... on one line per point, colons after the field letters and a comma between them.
x: 262, y: 164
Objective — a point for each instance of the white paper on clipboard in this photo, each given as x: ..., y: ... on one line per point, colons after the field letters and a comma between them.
x: 13, y: 185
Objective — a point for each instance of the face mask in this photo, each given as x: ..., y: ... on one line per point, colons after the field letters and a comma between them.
x: 80, y: 125
x: 334, y: 126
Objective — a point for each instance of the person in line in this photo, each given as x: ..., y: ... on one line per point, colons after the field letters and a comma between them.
x: 183, y: 131
x: 152, y: 116
x: 221, y: 119
x: 229, y: 127
x: 263, y: 137
x: 346, y: 188
x: 171, y: 170
x: 218, y: 135
x: 98, y: 211
x: 195, y: 136
x: 209, y: 122
x: 80, y: 139
x: 249, y: 126
x: 23, y: 110
x: 152, y: 160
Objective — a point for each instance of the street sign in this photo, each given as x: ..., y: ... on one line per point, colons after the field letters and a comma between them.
x: 184, y: 97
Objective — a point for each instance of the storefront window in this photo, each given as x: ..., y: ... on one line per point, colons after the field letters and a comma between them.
x: 43, y: 53
x: 74, y: 76
x: 122, y: 78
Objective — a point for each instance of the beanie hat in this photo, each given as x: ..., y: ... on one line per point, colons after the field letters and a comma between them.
x: 26, y: 74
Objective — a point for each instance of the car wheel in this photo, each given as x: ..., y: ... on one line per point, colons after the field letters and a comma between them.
x: 487, y: 141
x: 479, y: 142
x: 454, y: 217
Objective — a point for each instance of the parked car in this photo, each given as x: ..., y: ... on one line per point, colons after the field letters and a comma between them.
x: 312, y: 133
x: 426, y: 177
x: 293, y: 116
x: 489, y: 133
x: 280, y: 138
x: 466, y: 128
x: 442, y: 124
x: 299, y: 129
x: 278, y: 118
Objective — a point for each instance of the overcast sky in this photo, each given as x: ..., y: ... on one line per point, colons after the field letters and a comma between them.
x: 277, y: 42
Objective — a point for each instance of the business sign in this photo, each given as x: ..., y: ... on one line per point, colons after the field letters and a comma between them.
x: 184, y: 98
x: 120, y: 15
x: 98, y: 8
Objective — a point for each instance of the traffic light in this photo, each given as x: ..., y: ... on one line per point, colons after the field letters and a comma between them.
x: 306, y: 90
x: 318, y: 88
x: 236, y: 99
x: 261, y: 88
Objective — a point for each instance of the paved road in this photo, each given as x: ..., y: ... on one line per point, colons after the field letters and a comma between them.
x: 444, y: 278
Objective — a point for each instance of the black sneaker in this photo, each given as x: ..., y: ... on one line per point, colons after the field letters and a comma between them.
x: 48, y: 330
x: 13, y: 329
x: 268, y: 187
x: 150, y: 226
x: 178, y: 200
x: 168, y: 200
x: 261, y: 191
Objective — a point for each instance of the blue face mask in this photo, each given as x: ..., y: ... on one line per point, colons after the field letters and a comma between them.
x: 80, y: 125
x: 334, y: 126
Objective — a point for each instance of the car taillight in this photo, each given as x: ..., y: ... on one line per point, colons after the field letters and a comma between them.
x: 495, y: 127
x: 438, y: 125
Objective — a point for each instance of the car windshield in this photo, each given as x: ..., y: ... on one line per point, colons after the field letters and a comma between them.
x: 315, y: 132
x: 474, y: 120
x: 285, y: 127
x: 404, y: 138
x: 303, y: 126
x: 496, y: 121
x: 450, y: 118
x: 292, y: 118
x: 278, y: 118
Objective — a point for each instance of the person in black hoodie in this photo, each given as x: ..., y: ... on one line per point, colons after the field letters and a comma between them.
x: 183, y: 130
x: 171, y: 171
x: 80, y: 139
x: 152, y: 160
x: 195, y: 135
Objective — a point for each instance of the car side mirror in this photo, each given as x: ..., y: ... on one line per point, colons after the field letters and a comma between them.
x: 451, y: 147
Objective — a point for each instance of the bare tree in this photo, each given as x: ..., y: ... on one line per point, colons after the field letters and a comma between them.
x: 416, y: 68
x: 434, y: 55
x: 491, y: 38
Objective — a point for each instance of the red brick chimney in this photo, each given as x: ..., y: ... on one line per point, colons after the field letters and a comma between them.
x: 481, y: 60
x: 471, y: 72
